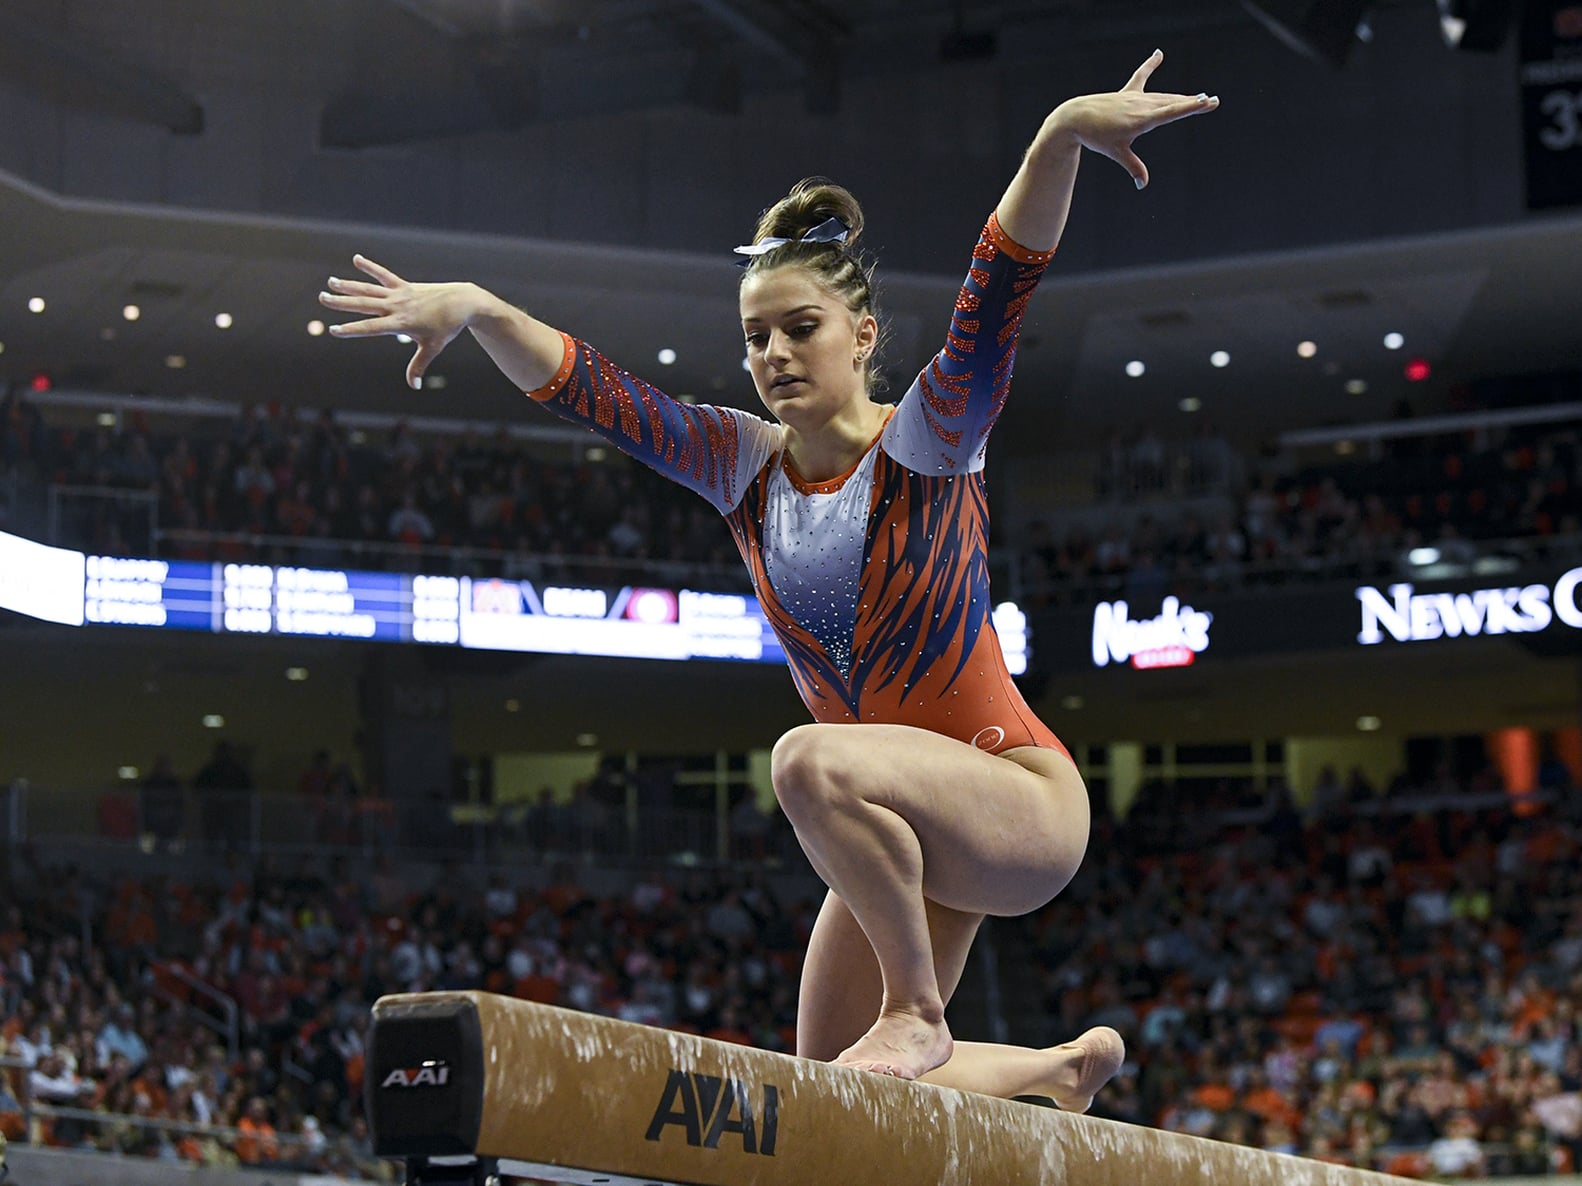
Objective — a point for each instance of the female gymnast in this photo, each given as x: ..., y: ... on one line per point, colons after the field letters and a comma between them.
x: 927, y: 795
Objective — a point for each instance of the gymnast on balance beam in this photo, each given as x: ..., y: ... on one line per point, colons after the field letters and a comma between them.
x: 927, y: 795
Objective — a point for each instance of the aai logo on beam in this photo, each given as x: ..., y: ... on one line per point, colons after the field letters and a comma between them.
x: 709, y: 1107
x: 1408, y: 616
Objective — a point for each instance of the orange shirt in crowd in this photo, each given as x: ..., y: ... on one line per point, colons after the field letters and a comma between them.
x: 1217, y: 1097
x: 257, y: 1143
x: 1272, y: 1106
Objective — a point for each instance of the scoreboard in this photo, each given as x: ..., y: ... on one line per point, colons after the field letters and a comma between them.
x: 1551, y: 96
x: 495, y: 614
x: 262, y: 599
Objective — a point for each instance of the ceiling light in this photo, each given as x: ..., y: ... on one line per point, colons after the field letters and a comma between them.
x: 316, y: 329
x: 175, y: 361
x: 1423, y: 557
x: 296, y: 674
x: 106, y: 419
x: 687, y: 397
x: 214, y: 721
x: 1135, y: 368
x: 513, y: 705
x: 1345, y: 448
x: 1306, y: 349
x: 436, y: 382
x: 587, y: 740
x: 35, y: 305
x: 1369, y: 723
x: 224, y: 320
x: 126, y: 773
x: 596, y: 453
x: 131, y: 312
x: 667, y: 356
x: 1356, y: 387
x: 1072, y: 703
x: 1190, y: 404
x: 1219, y: 358
x: 1393, y: 341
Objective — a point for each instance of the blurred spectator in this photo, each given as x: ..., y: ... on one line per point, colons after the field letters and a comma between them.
x: 257, y: 1144
x: 220, y: 784
x: 1457, y: 1154
x: 163, y: 801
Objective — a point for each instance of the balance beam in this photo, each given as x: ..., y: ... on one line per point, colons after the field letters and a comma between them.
x: 467, y: 1086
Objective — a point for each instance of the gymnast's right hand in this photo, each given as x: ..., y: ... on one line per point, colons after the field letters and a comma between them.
x: 430, y: 314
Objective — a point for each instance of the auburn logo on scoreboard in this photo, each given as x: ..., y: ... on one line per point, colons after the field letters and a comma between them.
x: 707, y: 1108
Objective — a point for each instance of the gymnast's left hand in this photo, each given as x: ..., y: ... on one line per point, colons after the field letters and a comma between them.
x: 1108, y: 123
x: 430, y: 314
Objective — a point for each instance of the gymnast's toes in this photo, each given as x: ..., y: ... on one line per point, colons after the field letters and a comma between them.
x: 1086, y: 1065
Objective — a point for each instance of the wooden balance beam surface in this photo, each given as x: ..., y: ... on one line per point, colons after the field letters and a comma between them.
x: 572, y: 1097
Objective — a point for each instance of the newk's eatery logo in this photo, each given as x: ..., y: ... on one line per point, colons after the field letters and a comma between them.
x: 1175, y: 637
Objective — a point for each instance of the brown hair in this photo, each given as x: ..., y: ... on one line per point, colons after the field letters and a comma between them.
x: 838, y: 267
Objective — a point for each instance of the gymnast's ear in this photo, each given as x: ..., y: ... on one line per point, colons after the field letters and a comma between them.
x: 867, y: 333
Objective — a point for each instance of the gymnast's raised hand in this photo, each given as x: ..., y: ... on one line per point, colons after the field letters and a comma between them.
x: 1108, y: 123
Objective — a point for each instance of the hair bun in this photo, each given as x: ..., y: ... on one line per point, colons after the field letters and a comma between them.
x: 812, y: 200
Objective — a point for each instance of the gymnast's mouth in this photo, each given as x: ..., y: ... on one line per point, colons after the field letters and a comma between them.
x: 786, y: 381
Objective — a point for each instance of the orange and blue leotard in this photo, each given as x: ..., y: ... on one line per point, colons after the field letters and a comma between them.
x: 877, y: 581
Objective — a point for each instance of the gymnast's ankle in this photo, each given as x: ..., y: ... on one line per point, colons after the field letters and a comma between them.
x: 930, y: 1010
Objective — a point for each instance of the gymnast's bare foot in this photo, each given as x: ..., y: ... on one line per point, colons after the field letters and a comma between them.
x: 1080, y: 1067
x: 904, y: 1043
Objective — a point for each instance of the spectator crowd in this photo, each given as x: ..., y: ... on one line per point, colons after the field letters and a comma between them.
x: 270, y: 487
x: 1352, y: 517
x: 1389, y: 988
x: 275, y: 488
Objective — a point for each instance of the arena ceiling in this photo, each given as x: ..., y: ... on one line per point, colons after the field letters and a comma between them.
x: 1472, y: 302
x: 1491, y: 301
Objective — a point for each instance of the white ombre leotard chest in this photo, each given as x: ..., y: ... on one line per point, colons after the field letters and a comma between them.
x: 813, y: 547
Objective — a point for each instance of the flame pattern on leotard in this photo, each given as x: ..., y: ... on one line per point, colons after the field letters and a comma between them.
x: 916, y: 645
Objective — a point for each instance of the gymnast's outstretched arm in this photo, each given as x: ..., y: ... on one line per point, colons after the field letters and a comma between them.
x: 1034, y: 209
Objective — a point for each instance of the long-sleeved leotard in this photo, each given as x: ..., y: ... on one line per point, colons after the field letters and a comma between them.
x: 876, y: 582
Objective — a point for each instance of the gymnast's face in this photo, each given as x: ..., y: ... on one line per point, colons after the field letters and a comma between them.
x: 805, y: 348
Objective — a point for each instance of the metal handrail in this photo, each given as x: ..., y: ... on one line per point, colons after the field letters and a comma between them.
x: 993, y: 993
x: 1433, y: 425
x: 228, y: 1027
x: 185, y: 1127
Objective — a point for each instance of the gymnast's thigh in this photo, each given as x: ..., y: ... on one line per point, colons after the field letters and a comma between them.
x: 1000, y: 833
x: 841, y: 987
